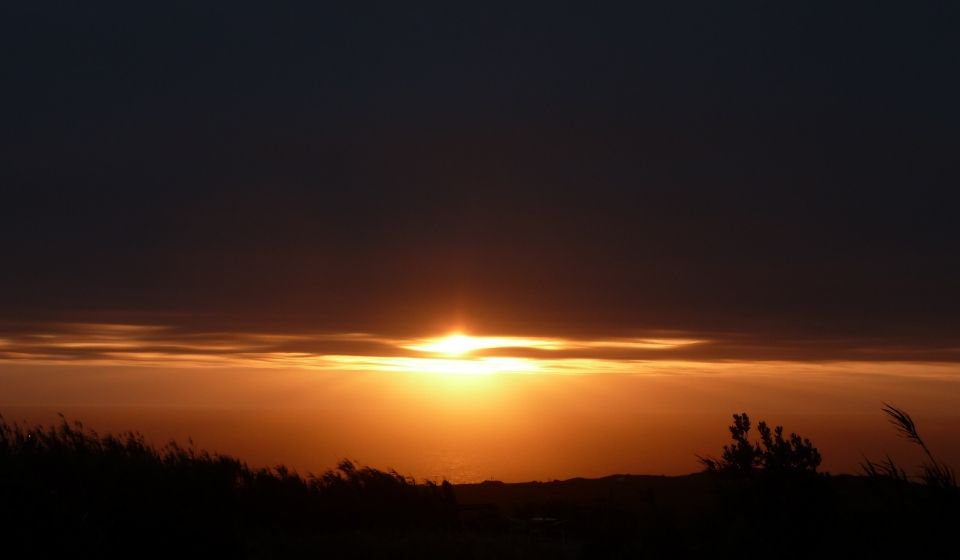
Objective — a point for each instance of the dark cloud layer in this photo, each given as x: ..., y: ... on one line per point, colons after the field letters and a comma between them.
x: 786, y: 173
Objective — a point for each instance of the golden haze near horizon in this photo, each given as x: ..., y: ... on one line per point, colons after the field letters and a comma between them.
x: 460, y: 405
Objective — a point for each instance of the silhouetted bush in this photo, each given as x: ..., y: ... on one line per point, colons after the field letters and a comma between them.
x: 772, y: 453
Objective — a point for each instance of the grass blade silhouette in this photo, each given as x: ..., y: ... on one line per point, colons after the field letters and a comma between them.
x: 934, y: 473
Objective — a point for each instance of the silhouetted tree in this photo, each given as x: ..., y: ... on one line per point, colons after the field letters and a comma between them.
x: 772, y: 453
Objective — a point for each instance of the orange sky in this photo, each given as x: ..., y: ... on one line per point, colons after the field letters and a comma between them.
x: 464, y: 407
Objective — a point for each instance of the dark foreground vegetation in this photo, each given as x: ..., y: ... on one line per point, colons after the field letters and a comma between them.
x: 68, y: 491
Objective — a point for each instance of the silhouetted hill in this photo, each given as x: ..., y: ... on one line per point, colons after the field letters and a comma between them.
x: 613, y: 489
x: 718, y: 515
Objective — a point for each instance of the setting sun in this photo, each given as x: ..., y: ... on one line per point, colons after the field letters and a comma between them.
x: 458, y: 344
x: 454, y: 344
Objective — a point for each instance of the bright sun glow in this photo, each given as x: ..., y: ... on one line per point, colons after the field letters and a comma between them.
x: 439, y: 366
x: 458, y: 344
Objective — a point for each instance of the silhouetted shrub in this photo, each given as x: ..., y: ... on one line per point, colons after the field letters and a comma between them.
x: 772, y: 453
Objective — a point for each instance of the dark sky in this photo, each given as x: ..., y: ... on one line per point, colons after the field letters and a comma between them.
x: 782, y: 171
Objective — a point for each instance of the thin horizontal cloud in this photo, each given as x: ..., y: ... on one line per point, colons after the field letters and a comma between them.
x: 172, y: 346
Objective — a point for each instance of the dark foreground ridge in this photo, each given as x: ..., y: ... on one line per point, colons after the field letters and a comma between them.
x: 68, y: 490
